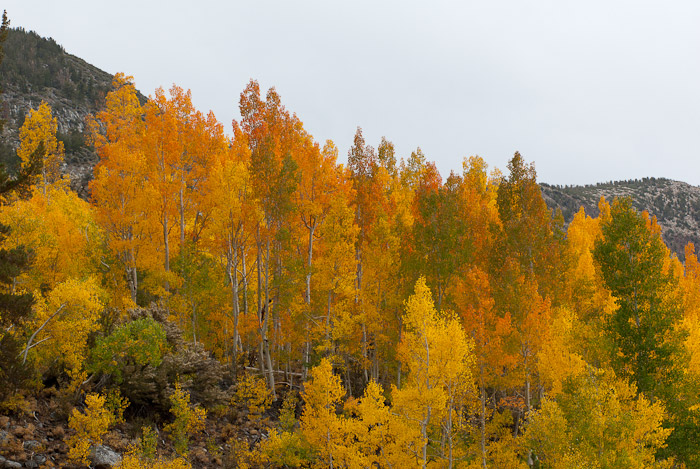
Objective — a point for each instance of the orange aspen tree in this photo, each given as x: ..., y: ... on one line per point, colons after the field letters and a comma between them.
x: 313, y: 198
x: 690, y: 287
x: 334, y: 326
x: 362, y: 163
x: 194, y: 298
x: 162, y: 149
x: 228, y: 186
x: 119, y: 177
x: 524, y: 262
x: 272, y: 134
x: 382, y: 293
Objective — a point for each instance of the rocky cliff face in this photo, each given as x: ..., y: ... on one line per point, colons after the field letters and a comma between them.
x: 676, y: 205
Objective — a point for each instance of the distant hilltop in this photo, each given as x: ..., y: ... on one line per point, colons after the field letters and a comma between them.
x: 675, y: 204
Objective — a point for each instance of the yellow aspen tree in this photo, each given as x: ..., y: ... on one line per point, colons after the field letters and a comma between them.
x: 587, y: 295
x: 321, y: 425
x: 333, y: 325
x: 65, y: 277
x: 60, y: 229
x: 189, y: 419
x: 39, y: 129
x: 439, y: 357
x: 384, y: 439
x: 64, y: 318
x: 557, y: 360
x: 133, y: 461
x: 93, y: 424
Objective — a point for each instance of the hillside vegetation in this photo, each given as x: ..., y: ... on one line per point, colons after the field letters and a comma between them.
x: 251, y: 302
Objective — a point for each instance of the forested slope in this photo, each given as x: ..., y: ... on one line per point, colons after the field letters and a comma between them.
x: 250, y: 301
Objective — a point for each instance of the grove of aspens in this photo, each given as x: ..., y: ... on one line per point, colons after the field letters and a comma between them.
x: 237, y: 297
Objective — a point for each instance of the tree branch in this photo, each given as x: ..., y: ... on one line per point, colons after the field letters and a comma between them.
x: 31, y: 339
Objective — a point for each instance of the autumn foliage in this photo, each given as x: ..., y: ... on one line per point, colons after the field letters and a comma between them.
x: 368, y: 314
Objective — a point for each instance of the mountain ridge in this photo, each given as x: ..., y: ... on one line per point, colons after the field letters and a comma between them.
x: 675, y: 204
x: 37, y: 69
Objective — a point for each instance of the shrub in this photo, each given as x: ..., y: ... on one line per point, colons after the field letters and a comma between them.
x: 148, y: 443
x: 252, y: 392
x: 288, y: 418
x: 149, y: 381
x: 188, y: 419
x: 132, y: 461
x: 143, y: 455
x: 286, y: 449
x: 139, y: 343
x: 101, y: 412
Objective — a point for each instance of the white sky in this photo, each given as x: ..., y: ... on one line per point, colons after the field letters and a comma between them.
x: 590, y: 91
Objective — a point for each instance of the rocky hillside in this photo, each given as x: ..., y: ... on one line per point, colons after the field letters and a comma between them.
x: 36, y: 69
x: 675, y: 204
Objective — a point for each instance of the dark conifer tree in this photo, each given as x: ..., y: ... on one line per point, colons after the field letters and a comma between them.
x: 14, y: 307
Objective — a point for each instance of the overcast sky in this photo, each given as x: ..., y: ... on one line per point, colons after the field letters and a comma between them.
x: 590, y: 91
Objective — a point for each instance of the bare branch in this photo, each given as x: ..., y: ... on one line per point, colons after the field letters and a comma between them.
x: 31, y: 339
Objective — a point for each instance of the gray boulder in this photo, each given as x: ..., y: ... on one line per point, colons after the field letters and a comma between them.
x: 104, y: 457
x: 31, y: 445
